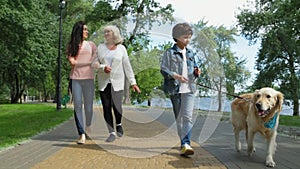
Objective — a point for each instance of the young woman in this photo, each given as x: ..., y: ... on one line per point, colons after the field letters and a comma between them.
x: 81, y: 54
x: 114, y: 68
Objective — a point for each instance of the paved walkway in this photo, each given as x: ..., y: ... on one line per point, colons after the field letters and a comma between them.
x: 150, y: 141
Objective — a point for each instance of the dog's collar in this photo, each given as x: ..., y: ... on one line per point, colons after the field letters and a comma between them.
x: 271, y: 123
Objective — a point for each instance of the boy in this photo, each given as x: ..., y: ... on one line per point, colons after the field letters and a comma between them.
x: 179, y: 69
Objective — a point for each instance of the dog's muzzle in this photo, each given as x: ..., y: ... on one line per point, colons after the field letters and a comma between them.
x: 261, y: 112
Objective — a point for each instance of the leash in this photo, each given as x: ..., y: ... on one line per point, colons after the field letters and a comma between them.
x: 233, y: 95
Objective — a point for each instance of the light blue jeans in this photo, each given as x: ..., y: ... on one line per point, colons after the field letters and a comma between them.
x: 183, y: 105
x: 83, y: 89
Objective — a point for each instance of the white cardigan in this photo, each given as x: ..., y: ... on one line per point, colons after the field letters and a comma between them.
x: 121, y: 68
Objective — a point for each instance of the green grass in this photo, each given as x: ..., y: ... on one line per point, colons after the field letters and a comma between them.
x: 19, y: 122
x: 289, y: 120
x: 292, y: 121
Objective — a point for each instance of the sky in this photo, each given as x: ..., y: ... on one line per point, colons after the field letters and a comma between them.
x: 216, y: 13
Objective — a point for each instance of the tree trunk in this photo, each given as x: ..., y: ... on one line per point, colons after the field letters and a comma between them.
x: 296, y: 98
x: 296, y: 107
x: 220, y: 96
x: 220, y: 101
x: 294, y: 85
x: 16, y: 91
x: 44, y: 92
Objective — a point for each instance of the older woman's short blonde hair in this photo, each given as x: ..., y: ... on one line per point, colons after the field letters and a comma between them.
x: 117, y: 38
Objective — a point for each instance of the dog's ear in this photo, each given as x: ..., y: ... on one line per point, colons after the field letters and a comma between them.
x: 255, y: 94
x: 280, y: 99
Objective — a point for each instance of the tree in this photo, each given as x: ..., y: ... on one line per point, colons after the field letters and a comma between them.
x: 102, y: 13
x: 148, y: 75
x: 276, y: 23
x: 220, y: 68
x: 29, y: 49
x: 27, y: 44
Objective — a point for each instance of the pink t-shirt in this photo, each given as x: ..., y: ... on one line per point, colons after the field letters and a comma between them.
x: 86, y: 55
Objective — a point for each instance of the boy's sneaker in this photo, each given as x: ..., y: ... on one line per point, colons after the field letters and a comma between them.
x: 186, y: 150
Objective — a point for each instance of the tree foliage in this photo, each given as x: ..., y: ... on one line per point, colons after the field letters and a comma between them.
x: 276, y: 24
x: 28, y: 51
x: 30, y: 45
x: 221, y: 70
x: 148, y: 76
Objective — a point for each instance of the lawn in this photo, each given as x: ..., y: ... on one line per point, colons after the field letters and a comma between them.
x: 293, y: 121
x: 19, y: 122
x: 289, y: 120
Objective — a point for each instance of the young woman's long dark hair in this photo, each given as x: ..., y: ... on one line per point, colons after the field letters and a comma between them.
x: 76, y: 39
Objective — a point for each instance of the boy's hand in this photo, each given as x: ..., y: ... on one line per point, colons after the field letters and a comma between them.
x: 197, y: 72
x: 180, y: 78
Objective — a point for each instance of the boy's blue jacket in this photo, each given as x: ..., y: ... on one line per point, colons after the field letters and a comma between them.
x: 171, y: 63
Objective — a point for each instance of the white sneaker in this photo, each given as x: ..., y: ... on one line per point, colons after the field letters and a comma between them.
x: 186, y: 150
x: 81, y: 139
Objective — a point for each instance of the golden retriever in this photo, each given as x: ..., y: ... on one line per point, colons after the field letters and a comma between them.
x: 257, y: 112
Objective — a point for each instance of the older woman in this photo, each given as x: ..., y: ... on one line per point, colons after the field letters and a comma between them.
x: 114, y: 67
